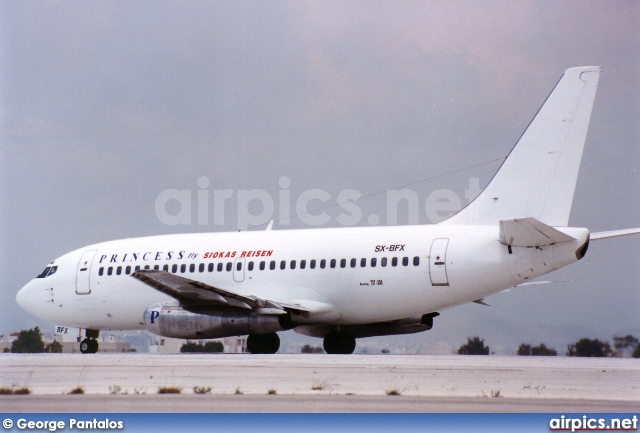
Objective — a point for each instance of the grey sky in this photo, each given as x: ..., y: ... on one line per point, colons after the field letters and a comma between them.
x: 104, y: 105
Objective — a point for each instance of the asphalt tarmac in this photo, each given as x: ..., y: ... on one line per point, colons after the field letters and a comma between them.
x: 318, y: 383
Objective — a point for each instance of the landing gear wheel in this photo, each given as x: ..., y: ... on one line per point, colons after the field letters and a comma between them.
x: 89, y: 345
x: 263, y: 343
x: 339, y: 343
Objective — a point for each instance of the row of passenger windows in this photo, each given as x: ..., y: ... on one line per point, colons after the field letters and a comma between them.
x: 293, y: 264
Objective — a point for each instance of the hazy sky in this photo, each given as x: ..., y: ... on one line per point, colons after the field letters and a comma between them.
x: 105, y: 105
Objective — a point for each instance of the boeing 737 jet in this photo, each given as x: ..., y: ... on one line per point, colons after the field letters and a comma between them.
x: 339, y: 284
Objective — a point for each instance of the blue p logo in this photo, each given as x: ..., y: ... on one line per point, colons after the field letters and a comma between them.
x: 154, y: 316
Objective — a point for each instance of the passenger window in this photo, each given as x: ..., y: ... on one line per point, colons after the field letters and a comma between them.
x: 283, y: 264
x: 174, y: 268
x: 44, y: 273
x: 383, y: 262
x: 164, y: 268
x: 312, y: 264
x: 119, y: 270
x: 303, y: 264
x: 137, y: 268
x: 343, y: 263
x: 405, y: 261
x: 100, y: 272
x: 183, y: 268
x: 293, y: 264
x: 239, y: 266
x: 262, y: 264
x: 127, y: 270
x: 251, y: 266
x: 394, y: 261
x: 353, y: 263
x: 363, y: 262
x: 229, y: 266
x: 373, y: 262
x: 211, y: 267
x: 192, y: 267
x: 155, y: 268
x: 201, y: 267
x: 220, y: 266
x: 323, y: 264
x: 333, y: 263
x: 416, y: 261
x: 109, y: 270
x: 272, y: 265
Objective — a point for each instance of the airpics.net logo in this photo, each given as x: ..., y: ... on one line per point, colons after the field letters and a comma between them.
x: 257, y: 207
x: 587, y: 423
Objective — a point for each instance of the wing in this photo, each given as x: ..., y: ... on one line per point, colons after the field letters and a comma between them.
x: 195, y: 293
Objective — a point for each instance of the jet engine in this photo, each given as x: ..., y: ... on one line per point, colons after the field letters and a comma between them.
x: 177, y: 322
x: 409, y: 325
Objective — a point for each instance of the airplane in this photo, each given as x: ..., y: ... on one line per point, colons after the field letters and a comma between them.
x: 340, y: 284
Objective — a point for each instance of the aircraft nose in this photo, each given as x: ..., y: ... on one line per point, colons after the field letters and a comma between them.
x: 26, y: 297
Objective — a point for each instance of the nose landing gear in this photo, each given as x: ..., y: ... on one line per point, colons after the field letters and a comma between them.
x: 90, y: 344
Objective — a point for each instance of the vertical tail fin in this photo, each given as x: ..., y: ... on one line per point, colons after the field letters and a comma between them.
x: 539, y: 176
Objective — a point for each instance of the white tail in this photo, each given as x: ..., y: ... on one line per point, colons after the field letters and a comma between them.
x: 539, y: 176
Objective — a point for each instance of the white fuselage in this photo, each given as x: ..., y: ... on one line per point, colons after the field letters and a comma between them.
x: 438, y: 266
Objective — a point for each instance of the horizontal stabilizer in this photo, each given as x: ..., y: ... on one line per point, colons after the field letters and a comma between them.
x: 529, y: 232
x: 481, y: 301
x: 538, y: 283
x: 614, y: 233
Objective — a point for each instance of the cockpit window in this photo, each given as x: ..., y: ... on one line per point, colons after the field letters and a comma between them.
x: 45, y: 272
x: 49, y: 270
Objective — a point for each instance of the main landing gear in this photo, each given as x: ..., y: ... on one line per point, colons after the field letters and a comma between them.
x: 263, y: 343
x: 90, y: 344
x: 339, y: 343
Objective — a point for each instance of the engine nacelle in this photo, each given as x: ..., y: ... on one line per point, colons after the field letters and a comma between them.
x: 176, y: 322
x: 409, y: 325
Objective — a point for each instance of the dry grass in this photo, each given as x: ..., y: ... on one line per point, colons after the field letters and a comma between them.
x: 15, y: 391
x: 202, y: 389
x: 169, y: 390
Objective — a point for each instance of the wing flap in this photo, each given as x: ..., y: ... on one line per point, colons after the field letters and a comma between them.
x: 529, y: 232
x: 195, y: 292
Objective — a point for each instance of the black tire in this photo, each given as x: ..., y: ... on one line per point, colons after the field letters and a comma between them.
x: 85, y: 346
x: 339, y: 343
x: 263, y: 343
x: 93, y: 346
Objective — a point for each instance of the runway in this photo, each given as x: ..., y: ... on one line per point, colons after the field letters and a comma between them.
x: 320, y: 383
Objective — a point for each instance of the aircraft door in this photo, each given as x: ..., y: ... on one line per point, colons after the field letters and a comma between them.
x: 83, y: 286
x: 438, y: 262
x: 238, y: 270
